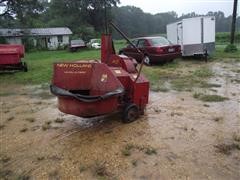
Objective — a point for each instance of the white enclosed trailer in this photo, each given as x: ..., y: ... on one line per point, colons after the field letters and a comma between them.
x: 195, y: 35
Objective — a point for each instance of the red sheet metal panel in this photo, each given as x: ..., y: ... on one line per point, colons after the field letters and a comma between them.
x: 8, y: 59
x: 82, y: 109
x: 103, y: 80
x: 95, y: 77
x: 13, y: 47
x: 107, y: 48
x: 11, y: 54
x: 73, y: 76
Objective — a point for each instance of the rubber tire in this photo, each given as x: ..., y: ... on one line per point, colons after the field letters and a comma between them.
x: 130, y: 113
x: 25, y: 68
x: 148, y: 62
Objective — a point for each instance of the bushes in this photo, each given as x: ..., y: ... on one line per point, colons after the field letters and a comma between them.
x: 3, y: 40
x: 28, y: 43
x: 230, y: 48
x: 85, y: 33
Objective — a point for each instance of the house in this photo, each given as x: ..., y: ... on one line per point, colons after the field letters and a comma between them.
x: 47, y: 38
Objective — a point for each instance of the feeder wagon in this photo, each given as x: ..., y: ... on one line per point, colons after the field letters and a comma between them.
x: 11, y: 57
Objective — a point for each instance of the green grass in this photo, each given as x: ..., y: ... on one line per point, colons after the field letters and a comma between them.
x: 220, y: 54
x: 209, y: 98
x: 195, y: 78
x: 203, y: 72
x: 224, y: 37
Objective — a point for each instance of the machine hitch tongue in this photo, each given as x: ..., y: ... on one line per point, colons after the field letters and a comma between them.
x: 89, y: 88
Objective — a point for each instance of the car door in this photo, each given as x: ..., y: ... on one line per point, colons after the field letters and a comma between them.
x: 130, y: 50
x: 142, y: 46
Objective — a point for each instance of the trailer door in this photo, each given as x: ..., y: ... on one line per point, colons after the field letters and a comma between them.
x: 180, y: 34
x: 208, y: 30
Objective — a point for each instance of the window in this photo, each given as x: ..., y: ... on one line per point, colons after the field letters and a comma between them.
x: 135, y: 42
x: 159, y: 41
x: 141, y: 43
x: 60, y: 39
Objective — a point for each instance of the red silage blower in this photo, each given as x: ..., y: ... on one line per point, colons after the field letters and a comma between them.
x: 92, y: 88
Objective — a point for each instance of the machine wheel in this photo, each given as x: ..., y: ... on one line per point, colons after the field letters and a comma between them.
x: 130, y: 113
x: 25, y: 68
x: 146, y: 60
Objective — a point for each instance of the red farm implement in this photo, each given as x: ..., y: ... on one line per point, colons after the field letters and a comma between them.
x: 10, y: 57
x: 93, y: 88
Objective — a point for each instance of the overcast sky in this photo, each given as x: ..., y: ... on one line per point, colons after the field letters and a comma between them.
x: 182, y: 6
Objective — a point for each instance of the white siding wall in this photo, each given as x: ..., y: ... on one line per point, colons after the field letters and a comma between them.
x: 14, y: 40
x: 65, y: 40
x: 53, y: 43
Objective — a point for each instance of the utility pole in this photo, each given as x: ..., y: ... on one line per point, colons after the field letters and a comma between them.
x: 234, y: 16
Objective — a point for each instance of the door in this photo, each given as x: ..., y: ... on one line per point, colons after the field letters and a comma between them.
x: 180, y: 35
x: 130, y: 50
x: 142, y: 44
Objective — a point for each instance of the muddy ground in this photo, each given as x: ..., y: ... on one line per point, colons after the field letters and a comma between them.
x: 179, y: 137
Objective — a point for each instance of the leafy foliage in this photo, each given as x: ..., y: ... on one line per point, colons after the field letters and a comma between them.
x: 86, y: 18
x: 3, y: 40
x: 24, y: 12
x: 224, y: 37
x: 135, y: 22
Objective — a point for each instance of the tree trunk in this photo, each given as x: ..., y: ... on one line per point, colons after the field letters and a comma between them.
x: 234, y: 21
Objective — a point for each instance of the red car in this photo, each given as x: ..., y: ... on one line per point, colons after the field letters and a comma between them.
x: 155, y: 50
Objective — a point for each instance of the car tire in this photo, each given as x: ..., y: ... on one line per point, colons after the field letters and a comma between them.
x: 146, y: 60
x: 130, y: 113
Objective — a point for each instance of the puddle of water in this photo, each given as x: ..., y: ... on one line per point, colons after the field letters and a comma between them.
x: 182, y: 130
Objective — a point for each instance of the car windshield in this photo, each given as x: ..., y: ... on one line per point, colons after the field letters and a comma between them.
x: 159, y: 41
x: 95, y: 41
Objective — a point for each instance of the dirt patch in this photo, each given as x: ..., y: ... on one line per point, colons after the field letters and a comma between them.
x: 179, y: 137
x: 227, y: 148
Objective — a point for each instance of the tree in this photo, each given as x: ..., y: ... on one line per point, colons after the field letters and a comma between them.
x: 79, y: 15
x: 23, y: 11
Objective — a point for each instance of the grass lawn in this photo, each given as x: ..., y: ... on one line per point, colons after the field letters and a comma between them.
x: 41, y: 65
x: 220, y: 54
